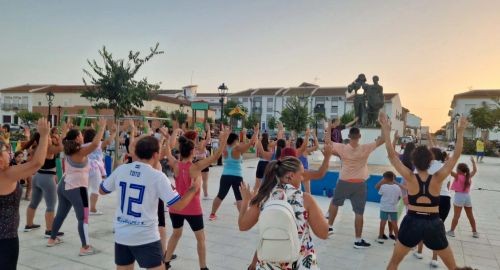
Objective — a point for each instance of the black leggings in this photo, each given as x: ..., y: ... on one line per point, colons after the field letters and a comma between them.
x: 161, y: 213
x: 444, y: 207
x: 228, y: 181
x: 9, y: 253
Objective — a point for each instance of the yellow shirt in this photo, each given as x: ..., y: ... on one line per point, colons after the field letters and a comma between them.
x: 479, y: 146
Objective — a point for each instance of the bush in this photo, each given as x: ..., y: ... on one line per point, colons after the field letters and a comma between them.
x: 470, y: 148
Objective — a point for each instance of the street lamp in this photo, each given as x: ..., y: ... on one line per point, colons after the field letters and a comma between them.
x: 455, y: 124
x: 59, y: 113
x: 50, y: 98
x: 222, y: 93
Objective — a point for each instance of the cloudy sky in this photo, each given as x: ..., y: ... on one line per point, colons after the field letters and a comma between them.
x: 426, y: 51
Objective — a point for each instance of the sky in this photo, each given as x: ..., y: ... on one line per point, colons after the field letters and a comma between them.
x: 426, y: 51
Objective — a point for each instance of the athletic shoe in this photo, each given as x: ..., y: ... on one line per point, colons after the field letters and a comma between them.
x: 384, y: 237
x: 475, y: 234
x: 392, y: 236
x: 330, y: 230
x: 174, y: 256
x: 87, y: 251
x: 48, y: 233
x: 380, y: 240
x: 29, y: 228
x: 56, y: 242
x: 96, y: 213
x: 361, y: 244
x: 434, y: 263
x: 212, y: 217
x: 451, y: 233
x: 418, y: 255
x: 207, y: 198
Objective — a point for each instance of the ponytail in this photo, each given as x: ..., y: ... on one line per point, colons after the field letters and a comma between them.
x: 186, y: 146
x: 280, y: 144
x: 463, y: 168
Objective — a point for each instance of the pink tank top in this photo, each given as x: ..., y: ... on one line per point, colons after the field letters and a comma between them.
x: 459, y: 184
x: 76, y: 174
x: 182, y: 184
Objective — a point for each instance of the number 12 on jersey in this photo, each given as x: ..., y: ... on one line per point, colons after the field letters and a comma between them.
x: 131, y: 200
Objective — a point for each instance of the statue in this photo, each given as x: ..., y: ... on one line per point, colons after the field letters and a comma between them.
x: 368, y: 104
x: 375, y: 102
x: 359, y: 99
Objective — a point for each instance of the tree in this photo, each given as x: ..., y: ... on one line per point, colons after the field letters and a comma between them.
x: 347, y: 117
x: 180, y: 116
x: 271, y: 123
x: 228, y: 107
x: 114, y: 86
x: 210, y: 120
x: 483, y: 118
x: 295, y: 115
x: 251, y: 121
x: 28, y: 117
x: 162, y: 114
x: 317, y: 118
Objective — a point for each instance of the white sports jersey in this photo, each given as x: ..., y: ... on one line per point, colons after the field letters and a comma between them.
x: 139, y: 187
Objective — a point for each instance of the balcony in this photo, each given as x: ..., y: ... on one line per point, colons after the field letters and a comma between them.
x: 14, y: 107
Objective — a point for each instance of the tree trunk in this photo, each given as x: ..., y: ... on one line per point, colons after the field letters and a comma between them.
x: 116, y: 162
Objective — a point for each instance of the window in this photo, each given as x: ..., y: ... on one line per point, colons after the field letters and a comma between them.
x: 320, y: 100
x: 335, y: 109
x: 335, y: 98
x: 270, y: 100
x: 270, y: 105
x: 245, y: 99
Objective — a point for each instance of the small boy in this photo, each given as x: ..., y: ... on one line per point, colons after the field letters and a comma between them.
x: 390, y: 191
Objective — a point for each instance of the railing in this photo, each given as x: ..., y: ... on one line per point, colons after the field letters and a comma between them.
x: 10, y: 106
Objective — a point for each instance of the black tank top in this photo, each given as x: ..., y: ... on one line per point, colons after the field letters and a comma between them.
x: 9, y: 213
x: 423, y: 191
x: 49, y: 167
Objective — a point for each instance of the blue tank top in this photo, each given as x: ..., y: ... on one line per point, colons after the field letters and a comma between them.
x: 232, y: 166
x: 304, y: 161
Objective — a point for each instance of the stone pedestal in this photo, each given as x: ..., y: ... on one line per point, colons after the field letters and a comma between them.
x: 379, y: 156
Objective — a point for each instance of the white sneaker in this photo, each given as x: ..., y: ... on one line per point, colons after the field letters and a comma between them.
x: 97, y: 213
x: 475, y: 234
x: 331, y: 231
x: 207, y: 198
x: 451, y: 233
x: 418, y: 255
x: 434, y: 263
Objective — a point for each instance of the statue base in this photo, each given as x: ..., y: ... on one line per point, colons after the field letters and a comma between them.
x: 379, y: 156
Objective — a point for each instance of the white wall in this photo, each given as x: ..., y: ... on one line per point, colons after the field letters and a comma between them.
x: 413, y: 120
x: 463, y: 106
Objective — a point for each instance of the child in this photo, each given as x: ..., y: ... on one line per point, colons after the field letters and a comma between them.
x: 391, y: 193
x: 461, y: 185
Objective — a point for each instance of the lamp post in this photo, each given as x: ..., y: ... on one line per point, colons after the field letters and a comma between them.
x: 455, y: 124
x: 222, y: 93
x: 59, y: 114
x: 50, y: 98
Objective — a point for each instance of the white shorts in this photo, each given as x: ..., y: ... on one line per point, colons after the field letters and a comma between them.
x: 95, y: 179
x: 462, y: 199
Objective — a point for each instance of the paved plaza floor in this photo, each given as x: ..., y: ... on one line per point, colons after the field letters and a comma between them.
x: 230, y: 249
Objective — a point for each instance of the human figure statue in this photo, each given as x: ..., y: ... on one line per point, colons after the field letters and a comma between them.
x: 359, y: 99
x: 375, y: 101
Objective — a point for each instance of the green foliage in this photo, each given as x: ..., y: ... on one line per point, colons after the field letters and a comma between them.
x: 17, y: 136
x: 316, y: 118
x: 180, y: 116
x: 251, y: 121
x: 347, y: 117
x: 28, y: 117
x: 483, y: 117
x: 210, y: 120
x: 295, y: 115
x: 229, y: 106
x: 470, y: 148
x: 162, y: 114
x: 113, y: 85
x: 271, y: 123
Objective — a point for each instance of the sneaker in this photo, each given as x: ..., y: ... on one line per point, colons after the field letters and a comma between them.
x: 380, y: 240
x: 48, y: 233
x: 87, y: 251
x: 361, y: 244
x: 330, y: 230
x: 56, y: 242
x: 384, y: 237
x: 418, y: 255
x: 451, y: 233
x: 206, y: 198
x: 29, y: 228
x: 434, y: 263
x: 392, y: 236
x: 475, y: 234
x: 212, y: 217
x: 96, y: 213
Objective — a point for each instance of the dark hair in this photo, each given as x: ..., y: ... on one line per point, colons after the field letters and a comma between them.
x: 18, y: 153
x: 34, y: 138
x: 232, y: 137
x: 185, y: 146
x: 280, y: 144
x: 389, y: 175
x: 265, y: 141
x: 146, y: 147
x: 7, y: 127
x: 463, y: 168
x: 354, y: 133
x: 406, y: 158
x: 71, y: 146
x: 438, y: 154
x: 299, y: 142
x: 422, y: 158
x: 54, y: 130
x: 275, y: 170
x: 89, y: 135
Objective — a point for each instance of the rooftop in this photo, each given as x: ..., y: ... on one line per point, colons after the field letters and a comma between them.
x: 477, y: 94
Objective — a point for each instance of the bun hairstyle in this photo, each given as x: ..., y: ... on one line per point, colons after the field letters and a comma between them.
x: 422, y: 158
x: 71, y: 146
x: 275, y: 170
x: 186, y: 146
x: 280, y: 144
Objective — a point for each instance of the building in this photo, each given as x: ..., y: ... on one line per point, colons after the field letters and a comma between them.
x: 413, y: 125
x: 462, y: 104
x: 392, y: 107
x: 268, y: 102
x: 67, y: 100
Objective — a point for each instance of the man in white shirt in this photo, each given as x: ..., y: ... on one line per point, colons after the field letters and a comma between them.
x: 140, y: 185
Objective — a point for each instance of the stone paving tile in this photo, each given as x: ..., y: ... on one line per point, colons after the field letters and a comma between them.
x: 230, y: 249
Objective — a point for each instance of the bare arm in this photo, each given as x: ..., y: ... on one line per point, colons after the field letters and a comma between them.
x: 249, y: 215
x: 317, y: 222
x: 202, y: 164
x: 281, y: 131
x: 263, y: 153
x: 242, y: 148
x: 315, y: 146
x: 395, y: 140
x: 110, y: 139
x: 321, y: 172
x: 474, y: 167
x: 303, y: 146
x: 188, y: 196
x: 352, y: 122
x: 84, y: 151
x: 380, y: 183
x: 328, y: 135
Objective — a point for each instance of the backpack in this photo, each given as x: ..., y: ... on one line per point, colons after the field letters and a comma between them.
x: 278, y: 236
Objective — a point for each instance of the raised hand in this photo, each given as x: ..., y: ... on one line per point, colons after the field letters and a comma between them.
x: 43, y: 127
x: 384, y: 121
x: 462, y: 123
x: 102, y: 122
x: 246, y: 192
x: 164, y: 132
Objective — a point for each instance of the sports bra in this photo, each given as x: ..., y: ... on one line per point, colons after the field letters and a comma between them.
x: 423, y: 192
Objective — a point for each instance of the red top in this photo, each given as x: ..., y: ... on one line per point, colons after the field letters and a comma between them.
x: 182, y: 184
